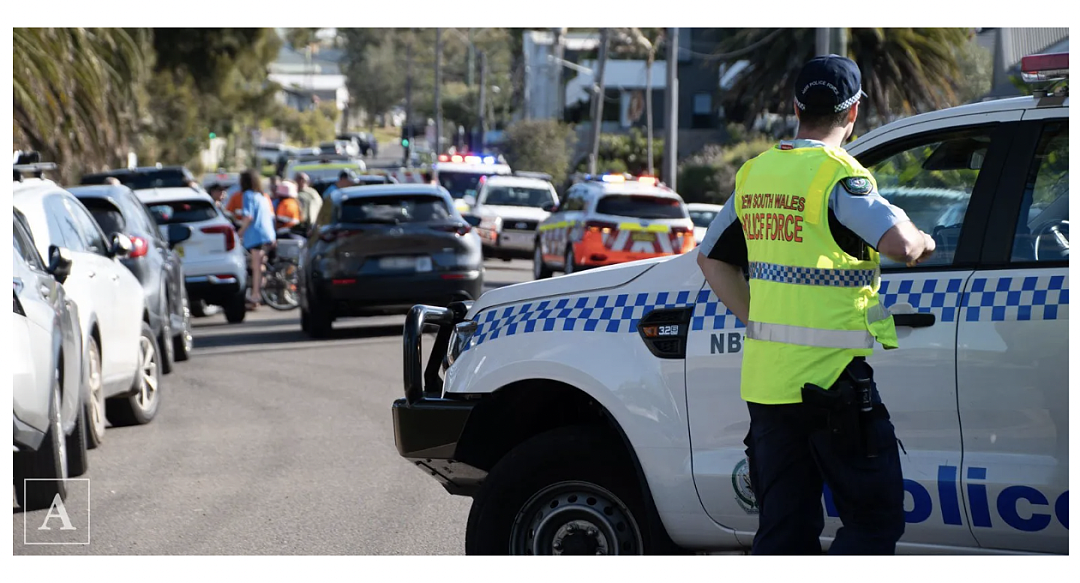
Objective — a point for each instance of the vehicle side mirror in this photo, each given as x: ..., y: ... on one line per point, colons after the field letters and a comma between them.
x: 120, y: 245
x: 550, y: 207
x: 178, y: 234
x: 59, y: 263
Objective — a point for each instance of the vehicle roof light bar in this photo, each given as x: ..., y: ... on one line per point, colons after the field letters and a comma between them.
x: 1042, y: 68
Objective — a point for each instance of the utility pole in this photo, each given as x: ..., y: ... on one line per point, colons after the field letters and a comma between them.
x: 671, y: 110
x: 557, y: 72
x: 598, y: 101
x: 648, y: 98
x: 482, y: 109
x: 821, y: 41
x: 472, y: 61
x: 438, y: 88
x: 408, y: 102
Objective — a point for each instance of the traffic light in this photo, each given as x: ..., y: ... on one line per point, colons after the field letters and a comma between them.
x: 212, y: 135
x: 404, y: 142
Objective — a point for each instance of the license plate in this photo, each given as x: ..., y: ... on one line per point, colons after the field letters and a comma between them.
x: 179, y: 251
x: 644, y: 236
x: 397, y: 263
x: 423, y: 264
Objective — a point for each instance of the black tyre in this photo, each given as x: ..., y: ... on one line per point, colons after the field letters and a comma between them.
x: 236, y: 309
x: 95, y: 408
x: 141, y: 406
x: 184, y: 341
x: 48, y: 462
x: 570, y: 262
x: 78, y: 457
x: 317, y: 321
x: 540, y: 269
x: 567, y: 491
x: 166, y: 346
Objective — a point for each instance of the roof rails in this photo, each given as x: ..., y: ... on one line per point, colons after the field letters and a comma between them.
x: 29, y: 163
x: 537, y: 175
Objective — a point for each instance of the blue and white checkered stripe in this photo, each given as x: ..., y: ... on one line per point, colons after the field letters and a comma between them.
x: 990, y: 299
x: 600, y: 313
x: 812, y: 275
x: 1003, y: 299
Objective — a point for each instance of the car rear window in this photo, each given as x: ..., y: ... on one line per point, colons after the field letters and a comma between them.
x: 108, y: 217
x: 641, y: 207
x: 182, y: 211
x: 518, y: 196
x: 408, y: 208
x: 143, y: 180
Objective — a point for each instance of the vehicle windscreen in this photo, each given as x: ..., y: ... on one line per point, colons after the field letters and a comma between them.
x: 518, y: 196
x: 702, y: 218
x: 182, y: 211
x: 396, y: 209
x: 108, y: 217
x: 460, y: 184
x: 641, y: 207
x: 142, y: 180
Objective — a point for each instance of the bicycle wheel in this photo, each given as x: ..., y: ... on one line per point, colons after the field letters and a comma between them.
x: 279, y: 288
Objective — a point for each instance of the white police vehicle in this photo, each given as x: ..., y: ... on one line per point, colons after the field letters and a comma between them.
x: 461, y: 174
x: 599, y: 413
x: 508, y: 210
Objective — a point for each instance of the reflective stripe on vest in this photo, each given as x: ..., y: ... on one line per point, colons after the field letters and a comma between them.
x: 812, y: 275
x: 853, y: 339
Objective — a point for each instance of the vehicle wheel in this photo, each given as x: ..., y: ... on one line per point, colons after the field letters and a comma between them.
x: 184, y: 341
x: 569, y: 266
x: 235, y: 309
x: 540, y: 269
x: 49, y: 461
x: 563, y: 493
x: 140, y: 407
x: 165, y: 344
x: 95, y: 409
x: 78, y: 459
x: 319, y: 321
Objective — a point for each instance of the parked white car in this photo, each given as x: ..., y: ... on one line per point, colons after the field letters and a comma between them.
x: 49, y: 420
x: 507, y: 211
x: 123, y: 372
x: 215, y: 267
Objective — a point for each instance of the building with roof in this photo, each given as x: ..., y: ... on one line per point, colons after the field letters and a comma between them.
x: 309, y: 76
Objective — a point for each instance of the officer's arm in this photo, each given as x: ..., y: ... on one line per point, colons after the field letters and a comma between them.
x: 885, y: 227
x: 721, y: 257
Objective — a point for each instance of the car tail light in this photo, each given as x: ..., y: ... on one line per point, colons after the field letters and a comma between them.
x: 343, y: 281
x: 227, y: 230
x: 139, y: 247
x: 600, y: 226
x: 460, y: 229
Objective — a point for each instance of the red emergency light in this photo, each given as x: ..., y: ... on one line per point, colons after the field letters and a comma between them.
x: 1049, y: 67
x: 444, y: 158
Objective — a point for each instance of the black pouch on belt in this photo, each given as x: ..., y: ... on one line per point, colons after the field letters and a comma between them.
x: 833, y: 408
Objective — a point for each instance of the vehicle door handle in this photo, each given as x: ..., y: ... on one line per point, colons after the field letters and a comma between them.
x: 916, y: 320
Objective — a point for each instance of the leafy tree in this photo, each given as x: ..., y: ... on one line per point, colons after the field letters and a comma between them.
x: 540, y: 146
x: 299, y: 38
x: 77, y: 93
x: 905, y: 70
x: 375, y: 82
x: 625, y: 153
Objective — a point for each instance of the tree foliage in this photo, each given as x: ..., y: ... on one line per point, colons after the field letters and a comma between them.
x: 540, y: 146
x: 905, y: 70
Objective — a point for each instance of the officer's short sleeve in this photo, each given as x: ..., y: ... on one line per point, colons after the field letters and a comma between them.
x: 861, y: 208
x: 724, y: 241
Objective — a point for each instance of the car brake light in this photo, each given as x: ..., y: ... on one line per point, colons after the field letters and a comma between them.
x: 1050, y: 67
x: 227, y: 230
x: 139, y: 247
x: 458, y: 228
x: 343, y: 281
x: 600, y: 226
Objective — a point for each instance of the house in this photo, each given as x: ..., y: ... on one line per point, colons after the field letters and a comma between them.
x: 309, y: 76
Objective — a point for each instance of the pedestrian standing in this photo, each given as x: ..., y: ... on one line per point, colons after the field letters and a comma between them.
x: 807, y: 224
x: 310, y: 200
x: 256, y: 216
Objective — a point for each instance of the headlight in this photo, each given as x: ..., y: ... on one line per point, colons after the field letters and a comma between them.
x: 460, y: 341
x: 491, y: 223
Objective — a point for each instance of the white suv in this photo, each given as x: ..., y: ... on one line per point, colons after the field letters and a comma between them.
x: 603, y: 409
x: 122, y: 372
x: 215, y: 267
x: 507, y: 211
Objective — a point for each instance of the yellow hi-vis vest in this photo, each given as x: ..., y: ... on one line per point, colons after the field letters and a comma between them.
x: 813, y: 307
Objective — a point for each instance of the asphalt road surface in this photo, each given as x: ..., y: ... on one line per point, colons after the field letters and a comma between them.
x: 268, y: 442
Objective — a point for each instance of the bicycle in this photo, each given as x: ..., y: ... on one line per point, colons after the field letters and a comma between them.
x: 281, y: 275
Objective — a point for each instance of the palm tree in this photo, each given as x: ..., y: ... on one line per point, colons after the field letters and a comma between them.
x: 76, y: 93
x: 905, y: 70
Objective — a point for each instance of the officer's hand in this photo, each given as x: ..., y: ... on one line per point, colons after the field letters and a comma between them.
x: 929, y: 245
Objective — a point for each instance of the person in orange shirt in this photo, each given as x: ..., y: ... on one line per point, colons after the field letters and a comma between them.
x: 236, y: 203
x: 287, y: 207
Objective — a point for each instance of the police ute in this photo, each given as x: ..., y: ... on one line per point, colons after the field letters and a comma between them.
x: 599, y: 413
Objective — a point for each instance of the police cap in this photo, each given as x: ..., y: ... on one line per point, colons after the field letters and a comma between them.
x: 828, y: 84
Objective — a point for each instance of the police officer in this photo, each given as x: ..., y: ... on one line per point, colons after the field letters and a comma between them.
x: 807, y: 224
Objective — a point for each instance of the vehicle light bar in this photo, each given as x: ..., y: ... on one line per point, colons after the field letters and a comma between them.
x: 613, y: 178
x: 650, y: 180
x: 1049, y: 67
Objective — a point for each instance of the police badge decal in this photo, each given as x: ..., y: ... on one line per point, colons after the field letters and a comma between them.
x: 740, y: 482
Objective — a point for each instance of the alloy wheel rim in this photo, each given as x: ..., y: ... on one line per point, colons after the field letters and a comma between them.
x: 148, y: 372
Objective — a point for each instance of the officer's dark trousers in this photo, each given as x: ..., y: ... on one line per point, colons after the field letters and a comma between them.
x: 791, y: 453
